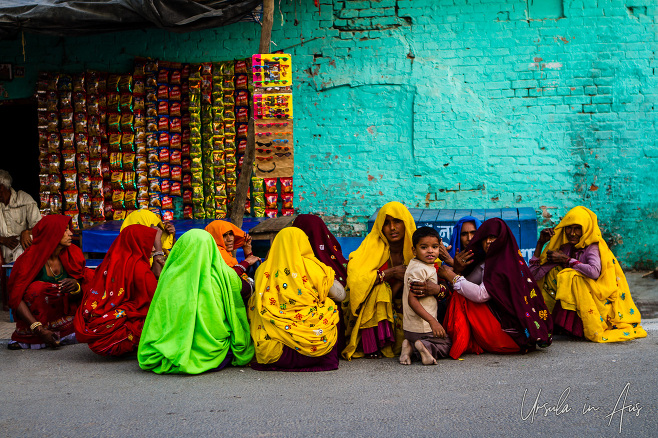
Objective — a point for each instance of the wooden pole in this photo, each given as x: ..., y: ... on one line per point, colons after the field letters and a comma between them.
x: 236, y: 213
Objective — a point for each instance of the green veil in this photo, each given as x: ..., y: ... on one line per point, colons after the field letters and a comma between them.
x: 197, y: 315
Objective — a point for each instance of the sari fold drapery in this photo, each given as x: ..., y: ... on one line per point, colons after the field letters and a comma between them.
x: 197, y: 317
x: 516, y: 300
x: 290, y: 306
x: 604, y: 305
x: 47, y: 304
x: 368, y: 303
x: 115, y: 305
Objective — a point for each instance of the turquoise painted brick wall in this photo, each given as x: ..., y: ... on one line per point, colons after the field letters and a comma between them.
x: 444, y: 104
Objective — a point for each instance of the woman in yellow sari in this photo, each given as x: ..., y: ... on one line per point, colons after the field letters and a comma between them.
x: 581, y: 280
x: 292, y: 317
x: 375, y: 275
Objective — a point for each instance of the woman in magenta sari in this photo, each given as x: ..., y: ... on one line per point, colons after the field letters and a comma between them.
x: 497, y: 306
x: 45, y: 286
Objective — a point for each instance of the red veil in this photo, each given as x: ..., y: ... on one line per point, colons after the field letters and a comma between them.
x: 47, y: 304
x: 114, y: 306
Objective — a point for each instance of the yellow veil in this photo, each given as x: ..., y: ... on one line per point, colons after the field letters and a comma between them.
x: 369, y: 303
x: 604, y: 305
x: 148, y: 218
x: 290, y: 305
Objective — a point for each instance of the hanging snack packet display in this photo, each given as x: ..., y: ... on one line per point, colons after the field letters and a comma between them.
x: 273, y: 123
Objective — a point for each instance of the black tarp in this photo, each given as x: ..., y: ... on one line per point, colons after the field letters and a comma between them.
x: 85, y: 17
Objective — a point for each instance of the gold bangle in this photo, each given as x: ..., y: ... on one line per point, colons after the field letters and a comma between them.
x: 77, y: 291
x: 35, y: 325
x: 454, y: 280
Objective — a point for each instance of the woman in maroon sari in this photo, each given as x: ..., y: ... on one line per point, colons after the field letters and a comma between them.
x: 45, y: 286
x: 497, y: 306
x: 114, y: 306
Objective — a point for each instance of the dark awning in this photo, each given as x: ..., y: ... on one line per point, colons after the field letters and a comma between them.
x: 84, y: 17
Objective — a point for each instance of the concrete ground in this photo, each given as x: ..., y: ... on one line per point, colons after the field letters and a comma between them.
x: 572, y: 388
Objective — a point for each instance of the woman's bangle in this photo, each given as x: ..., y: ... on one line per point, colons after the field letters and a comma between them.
x: 456, y: 279
x: 247, y: 255
x: 158, y: 253
x: 381, y: 275
x: 77, y: 291
x: 35, y: 325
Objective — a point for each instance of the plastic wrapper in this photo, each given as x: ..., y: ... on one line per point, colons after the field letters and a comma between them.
x: 270, y: 185
x: 130, y: 199
x: 84, y: 201
x: 115, y: 141
x: 115, y: 160
x: 167, y: 215
x: 287, y: 212
x: 187, y: 181
x: 70, y: 200
x: 79, y: 102
x: 164, y: 139
x: 154, y: 200
x: 141, y: 178
x: 128, y: 161
x: 44, y: 200
x: 165, y: 170
x: 129, y: 180
x: 176, y: 173
x: 119, y: 215
x: 116, y: 179
x: 271, y: 213
x: 66, y: 121
x: 152, y: 155
x: 81, y: 142
x: 84, y: 183
x: 118, y: 197
x: 55, y: 203
x: 97, y: 207
x: 165, y: 186
x: 287, y: 200
x: 188, y: 212
x: 175, y: 124
x: 152, y: 140
x: 167, y: 202
x: 187, y: 196
x: 83, y: 163
x: 242, y: 115
x: 163, y: 154
x: 75, y: 218
x: 127, y: 140
x: 70, y: 180
x: 126, y: 122
x: 97, y: 187
x: 68, y: 160
x: 175, y: 109
x: 66, y: 100
x: 114, y: 122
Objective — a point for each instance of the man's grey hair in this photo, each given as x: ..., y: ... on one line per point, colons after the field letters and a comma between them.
x: 5, y: 179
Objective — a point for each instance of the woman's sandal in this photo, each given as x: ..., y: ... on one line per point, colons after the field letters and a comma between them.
x: 375, y: 355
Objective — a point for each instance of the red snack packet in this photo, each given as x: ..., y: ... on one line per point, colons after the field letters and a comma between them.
x: 270, y: 213
x: 286, y: 185
x: 271, y: 201
x: 270, y: 185
x: 287, y: 211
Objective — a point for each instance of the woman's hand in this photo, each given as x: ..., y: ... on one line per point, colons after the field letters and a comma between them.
x: 545, y: 235
x: 48, y: 337
x: 157, y: 244
x: 26, y: 239
x: 10, y: 242
x: 68, y: 285
x: 444, y: 255
x: 424, y: 288
x: 169, y: 228
x: 395, y: 272
x: 437, y: 329
x: 462, y: 260
x: 557, y: 257
x: 247, y: 244
x: 252, y: 259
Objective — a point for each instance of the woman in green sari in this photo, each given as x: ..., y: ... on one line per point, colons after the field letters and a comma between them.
x: 197, y: 321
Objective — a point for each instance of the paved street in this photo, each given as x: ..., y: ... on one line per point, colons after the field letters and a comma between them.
x: 73, y: 392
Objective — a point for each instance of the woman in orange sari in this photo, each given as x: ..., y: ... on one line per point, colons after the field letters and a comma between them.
x: 45, y: 286
x: 115, y: 305
x: 228, y: 238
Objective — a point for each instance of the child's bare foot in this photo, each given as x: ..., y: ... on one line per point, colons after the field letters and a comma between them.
x: 405, y: 356
x: 425, y: 355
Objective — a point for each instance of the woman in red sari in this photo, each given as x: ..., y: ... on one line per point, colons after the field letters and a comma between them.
x: 114, y: 306
x: 45, y: 286
x: 497, y: 306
